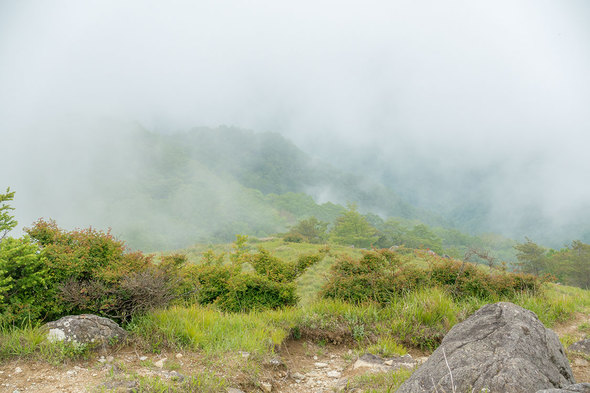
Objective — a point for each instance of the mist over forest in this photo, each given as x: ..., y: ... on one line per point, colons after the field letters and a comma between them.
x: 176, y: 122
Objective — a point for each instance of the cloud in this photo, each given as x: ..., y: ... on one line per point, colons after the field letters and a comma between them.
x: 435, y: 90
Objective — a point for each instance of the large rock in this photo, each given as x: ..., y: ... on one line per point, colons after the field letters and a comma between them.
x: 580, y: 346
x: 85, y: 328
x: 501, y: 348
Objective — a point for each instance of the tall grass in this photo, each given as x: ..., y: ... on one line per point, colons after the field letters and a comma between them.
x: 203, y: 328
x: 419, y: 319
x: 30, y: 342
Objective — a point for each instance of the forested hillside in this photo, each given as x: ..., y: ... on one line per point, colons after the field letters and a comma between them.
x: 169, y: 190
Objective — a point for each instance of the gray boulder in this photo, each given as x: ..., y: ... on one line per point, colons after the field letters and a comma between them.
x: 577, y: 388
x: 83, y: 329
x: 580, y: 346
x: 501, y: 348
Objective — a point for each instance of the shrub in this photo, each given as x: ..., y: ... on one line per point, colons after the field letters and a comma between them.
x: 56, y: 272
x: 269, y: 286
x: 248, y: 292
x: 370, y: 278
x: 24, y: 279
x: 379, y: 276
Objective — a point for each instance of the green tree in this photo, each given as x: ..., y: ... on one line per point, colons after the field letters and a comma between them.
x: 351, y: 228
x: 532, y: 258
x: 572, y: 264
x: 421, y: 237
x: 7, y: 222
x: 310, y: 230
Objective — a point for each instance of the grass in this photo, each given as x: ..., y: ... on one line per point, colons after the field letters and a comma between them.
x: 419, y: 320
x: 201, y: 383
x: 385, y: 382
x: 415, y: 320
x: 31, y: 343
x: 212, y: 331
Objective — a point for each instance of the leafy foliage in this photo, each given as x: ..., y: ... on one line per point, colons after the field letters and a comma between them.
x: 571, y: 265
x: 269, y: 286
x: 531, y: 257
x: 7, y: 222
x: 379, y: 276
x: 309, y: 230
x: 351, y: 228
x: 53, y: 272
x: 24, y: 279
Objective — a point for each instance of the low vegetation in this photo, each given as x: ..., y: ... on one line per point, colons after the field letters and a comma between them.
x: 253, y: 296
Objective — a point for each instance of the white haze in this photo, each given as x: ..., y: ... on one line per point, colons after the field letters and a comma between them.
x: 424, y: 93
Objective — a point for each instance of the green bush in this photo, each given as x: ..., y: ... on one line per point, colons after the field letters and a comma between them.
x: 269, y: 286
x: 380, y: 277
x: 53, y: 272
x: 24, y: 278
x: 247, y: 291
x: 370, y: 278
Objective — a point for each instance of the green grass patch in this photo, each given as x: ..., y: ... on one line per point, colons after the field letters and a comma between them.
x: 204, y: 328
x: 201, y: 383
x: 31, y: 343
x: 386, y: 382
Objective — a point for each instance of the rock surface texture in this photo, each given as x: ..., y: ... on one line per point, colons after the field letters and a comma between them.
x: 580, y: 346
x: 577, y: 388
x: 501, y: 348
x: 85, y: 328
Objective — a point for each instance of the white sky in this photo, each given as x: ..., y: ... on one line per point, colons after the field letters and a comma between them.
x: 439, y: 86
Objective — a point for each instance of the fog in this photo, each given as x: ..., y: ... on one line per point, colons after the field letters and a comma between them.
x: 451, y: 103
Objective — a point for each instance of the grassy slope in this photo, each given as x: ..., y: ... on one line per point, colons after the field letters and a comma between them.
x: 430, y: 310
x: 410, y: 322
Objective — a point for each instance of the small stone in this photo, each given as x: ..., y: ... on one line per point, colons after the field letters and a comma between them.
x: 178, y: 356
x: 245, y: 355
x: 388, y: 362
x: 581, y: 362
x: 110, y: 359
x: 275, y: 362
x: 298, y: 376
x: 18, y: 370
x: 315, y: 357
x: 143, y: 358
x: 266, y: 387
x: 320, y: 365
x: 102, y: 359
x: 160, y: 363
x: 334, y: 374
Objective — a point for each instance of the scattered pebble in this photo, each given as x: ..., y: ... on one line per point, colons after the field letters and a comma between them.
x: 320, y: 364
x: 18, y: 370
x: 160, y: 363
x: 297, y: 376
x: 334, y: 374
x: 143, y: 358
x: 581, y: 362
x: 178, y: 356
